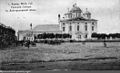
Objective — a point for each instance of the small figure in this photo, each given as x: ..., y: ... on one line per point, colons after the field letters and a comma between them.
x: 28, y: 43
x: 105, y: 45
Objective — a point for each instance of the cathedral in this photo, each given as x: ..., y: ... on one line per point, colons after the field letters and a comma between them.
x: 75, y: 22
x: 80, y: 25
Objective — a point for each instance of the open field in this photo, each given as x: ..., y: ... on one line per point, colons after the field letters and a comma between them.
x: 75, y: 56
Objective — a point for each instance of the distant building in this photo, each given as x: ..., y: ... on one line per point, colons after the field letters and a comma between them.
x: 76, y: 23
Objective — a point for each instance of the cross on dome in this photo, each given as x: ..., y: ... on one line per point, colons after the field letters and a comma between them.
x: 75, y: 5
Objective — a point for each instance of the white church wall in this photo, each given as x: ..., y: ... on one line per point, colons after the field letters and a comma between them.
x: 60, y: 26
x: 67, y: 27
x: 89, y: 30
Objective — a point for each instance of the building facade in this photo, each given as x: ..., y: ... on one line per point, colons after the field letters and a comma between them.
x: 39, y: 29
x: 80, y: 25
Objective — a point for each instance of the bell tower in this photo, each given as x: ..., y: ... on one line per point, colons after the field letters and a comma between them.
x: 59, y: 18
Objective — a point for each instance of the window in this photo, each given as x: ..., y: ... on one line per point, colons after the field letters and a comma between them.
x: 85, y: 22
x: 31, y: 38
x: 63, y: 28
x: 71, y: 15
x: 63, y: 23
x: 92, y: 28
x: 93, y: 23
x: 86, y: 36
x: 70, y: 28
x: 78, y: 27
x: 85, y: 27
x: 26, y: 38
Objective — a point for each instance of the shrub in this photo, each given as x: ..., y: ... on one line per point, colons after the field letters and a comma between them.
x: 103, y: 35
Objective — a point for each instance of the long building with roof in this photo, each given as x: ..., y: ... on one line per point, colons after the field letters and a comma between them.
x: 75, y: 22
x: 39, y: 29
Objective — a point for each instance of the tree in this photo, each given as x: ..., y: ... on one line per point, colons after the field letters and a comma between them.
x: 94, y: 35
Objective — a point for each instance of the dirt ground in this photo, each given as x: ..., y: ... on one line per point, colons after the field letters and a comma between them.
x: 67, y: 56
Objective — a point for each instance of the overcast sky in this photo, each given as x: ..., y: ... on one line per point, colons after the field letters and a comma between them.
x: 107, y: 12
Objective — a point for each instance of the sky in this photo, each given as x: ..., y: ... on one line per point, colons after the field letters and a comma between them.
x: 107, y: 12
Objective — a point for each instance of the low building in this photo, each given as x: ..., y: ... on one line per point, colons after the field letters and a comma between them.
x: 39, y: 29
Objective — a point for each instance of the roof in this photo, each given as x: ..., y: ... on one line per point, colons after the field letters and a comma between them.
x: 47, y: 27
x: 23, y: 31
x: 75, y: 9
x: 79, y: 19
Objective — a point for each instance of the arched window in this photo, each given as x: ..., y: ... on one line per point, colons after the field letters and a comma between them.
x: 63, y: 24
x: 92, y: 28
x: 71, y: 15
x: 85, y: 27
x: 70, y: 28
x: 78, y: 27
x: 86, y: 36
x: 63, y: 28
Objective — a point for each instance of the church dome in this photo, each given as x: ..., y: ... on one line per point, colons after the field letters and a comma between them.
x: 75, y: 9
x: 87, y: 12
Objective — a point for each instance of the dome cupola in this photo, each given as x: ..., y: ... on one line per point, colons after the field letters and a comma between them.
x: 87, y: 14
x: 75, y: 8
